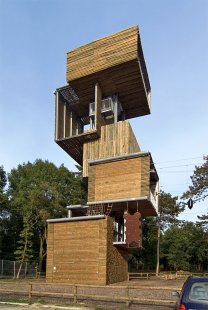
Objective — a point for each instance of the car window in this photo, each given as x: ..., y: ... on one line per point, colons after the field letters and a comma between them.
x: 199, y: 291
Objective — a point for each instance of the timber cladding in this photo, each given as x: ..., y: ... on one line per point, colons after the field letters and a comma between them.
x: 117, y: 63
x: 80, y: 251
x: 115, y: 140
x: 104, y: 53
x: 117, y: 259
x: 126, y: 178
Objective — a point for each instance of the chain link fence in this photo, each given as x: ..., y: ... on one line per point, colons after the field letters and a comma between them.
x: 12, y: 269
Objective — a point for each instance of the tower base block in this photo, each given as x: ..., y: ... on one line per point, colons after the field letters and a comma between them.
x: 82, y: 252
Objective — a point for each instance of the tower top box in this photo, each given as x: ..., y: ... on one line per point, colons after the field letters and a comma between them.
x: 117, y: 63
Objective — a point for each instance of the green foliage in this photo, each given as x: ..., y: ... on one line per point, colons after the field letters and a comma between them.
x: 24, y: 250
x: 3, y: 208
x: 38, y: 191
x: 198, y: 191
x: 185, y: 247
x: 2, y: 178
x: 169, y: 209
x: 145, y: 259
x: 199, y: 188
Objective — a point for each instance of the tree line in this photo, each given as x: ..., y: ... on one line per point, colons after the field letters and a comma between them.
x: 183, y: 245
x: 29, y: 195
x: 34, y: 192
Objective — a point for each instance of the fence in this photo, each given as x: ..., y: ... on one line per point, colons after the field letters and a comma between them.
x: 9, y: 269
x: 164, y: 275
x: 76, y: 293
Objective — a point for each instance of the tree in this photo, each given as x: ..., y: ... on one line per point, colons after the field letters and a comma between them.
x: 37, y: 192
x: 3, y: 208
x: 185, y: 247
x: 169, y: 209
x: 149, y: 256
x: 3, y: 179
x: 145, y: 258
x: 198, y: 191
x: 24, y: 251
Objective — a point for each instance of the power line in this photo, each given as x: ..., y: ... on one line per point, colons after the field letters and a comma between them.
x: 179, y: 166
x: 177, y: 171
x: 175, y: 160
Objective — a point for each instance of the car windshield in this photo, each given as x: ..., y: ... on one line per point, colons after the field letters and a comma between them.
x: 199, y: 291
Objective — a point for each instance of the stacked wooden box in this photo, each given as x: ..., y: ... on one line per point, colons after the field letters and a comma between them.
x: 82, y: 252
x: 115, y: 139
x: 122, y: 179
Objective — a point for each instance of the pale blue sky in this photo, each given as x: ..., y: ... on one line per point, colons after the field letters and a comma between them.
x: 34, y: 38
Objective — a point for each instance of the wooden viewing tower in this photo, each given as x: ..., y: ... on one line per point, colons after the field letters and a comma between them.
x: 107, y: 84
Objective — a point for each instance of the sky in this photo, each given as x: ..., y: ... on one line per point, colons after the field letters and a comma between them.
x: 35, y: 36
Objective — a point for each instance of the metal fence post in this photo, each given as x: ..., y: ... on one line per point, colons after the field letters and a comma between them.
x: 14, y: 270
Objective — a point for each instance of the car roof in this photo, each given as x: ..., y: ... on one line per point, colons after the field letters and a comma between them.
x: 197, y: 279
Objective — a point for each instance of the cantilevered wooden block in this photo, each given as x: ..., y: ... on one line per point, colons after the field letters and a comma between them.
x: 125, y: 182
x: 118, y: 64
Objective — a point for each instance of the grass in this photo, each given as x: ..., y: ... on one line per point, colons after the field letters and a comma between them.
x: 72, y: 304
x: 15, y: 300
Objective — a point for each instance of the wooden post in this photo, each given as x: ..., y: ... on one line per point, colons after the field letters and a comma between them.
x: 75, y: 294
x: 127, y: 296
x: 158, y: 249
x: 30, y: 291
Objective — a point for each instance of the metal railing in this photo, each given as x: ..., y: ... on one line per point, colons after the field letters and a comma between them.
x: 9, y: 269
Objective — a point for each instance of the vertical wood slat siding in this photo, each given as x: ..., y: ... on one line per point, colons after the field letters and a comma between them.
x: 104, y: 53
x: 98, y: 102
x: 116, y: 139
x: 117, y: 259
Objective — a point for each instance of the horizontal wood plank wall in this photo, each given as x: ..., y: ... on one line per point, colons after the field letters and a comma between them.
x: 77, y: 252
x: 116, y: 139
x: 119, y: 180
x: 117, y: 259
x: 104, y: 53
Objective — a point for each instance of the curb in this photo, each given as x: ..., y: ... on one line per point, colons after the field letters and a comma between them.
x: 36, y: 305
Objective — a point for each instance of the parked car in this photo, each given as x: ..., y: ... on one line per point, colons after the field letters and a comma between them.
x: 194, y: 295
